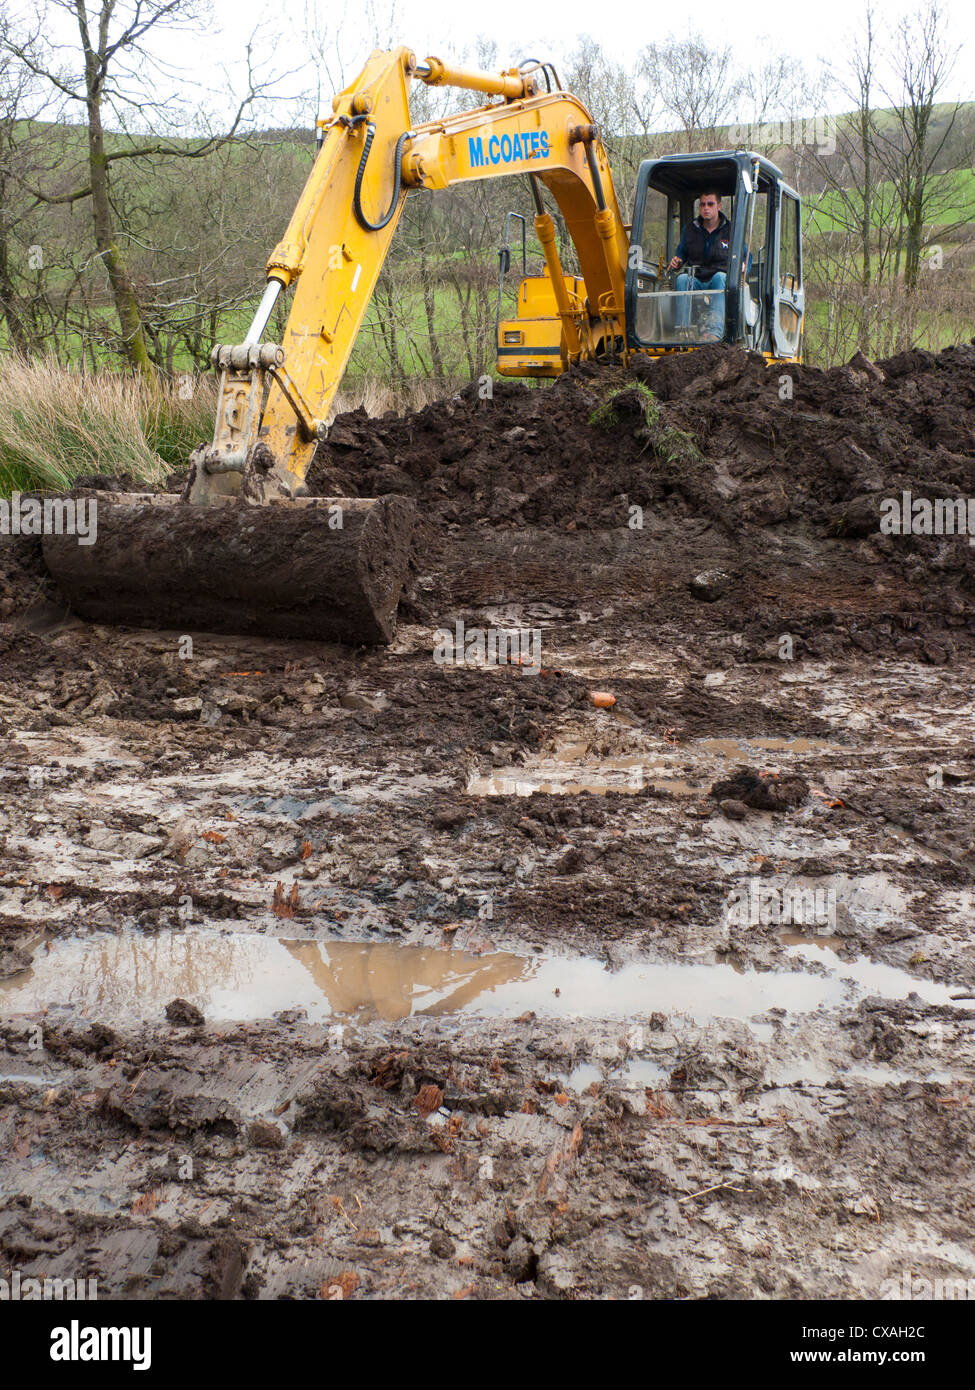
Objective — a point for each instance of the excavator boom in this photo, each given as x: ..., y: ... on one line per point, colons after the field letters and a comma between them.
x: 245, y: 550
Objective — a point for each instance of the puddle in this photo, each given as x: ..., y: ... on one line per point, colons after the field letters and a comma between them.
x: 638, y: 1073
x: 741, y: 748
x: 573, y: 770
x: 835, y: 944
x: 245, y: 976
x: 873, y: 977
x: 581, y: 1077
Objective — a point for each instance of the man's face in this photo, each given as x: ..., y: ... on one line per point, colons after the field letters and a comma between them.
x: 709, y: 207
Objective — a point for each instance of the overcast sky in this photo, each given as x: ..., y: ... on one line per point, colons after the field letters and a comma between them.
x: 815, y: 33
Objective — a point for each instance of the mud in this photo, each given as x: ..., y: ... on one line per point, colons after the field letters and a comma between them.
x: 339, y: 972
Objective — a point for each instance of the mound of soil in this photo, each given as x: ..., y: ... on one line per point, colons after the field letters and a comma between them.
x: 640, y: 483
x: 702, y: 461
x: 723, y: 436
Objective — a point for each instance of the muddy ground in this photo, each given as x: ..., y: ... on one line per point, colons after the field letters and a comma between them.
x: 470, y: 1006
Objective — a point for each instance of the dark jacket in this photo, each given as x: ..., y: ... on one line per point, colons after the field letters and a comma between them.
x: 709, y: 250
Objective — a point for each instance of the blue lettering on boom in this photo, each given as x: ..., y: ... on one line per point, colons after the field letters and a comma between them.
x: 507, y: 149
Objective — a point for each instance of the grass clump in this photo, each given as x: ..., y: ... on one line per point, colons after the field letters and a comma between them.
x: 667, y: 443
x: 58, y: 423
x: 676, y: 446
x: 607, y: 415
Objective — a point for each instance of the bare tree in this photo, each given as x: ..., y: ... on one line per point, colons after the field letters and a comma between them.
x: 854, y: 204
x: 12, y: 93
x: 113, y: 51
x: 695, y: 85
x: 911, y: 150
x: 623, y: 107
x: 863, y: 72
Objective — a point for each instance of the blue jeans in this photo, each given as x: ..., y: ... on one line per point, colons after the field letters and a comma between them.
x: 715, y: 322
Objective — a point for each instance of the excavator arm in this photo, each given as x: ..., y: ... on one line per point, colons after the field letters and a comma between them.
x: 274, y: 399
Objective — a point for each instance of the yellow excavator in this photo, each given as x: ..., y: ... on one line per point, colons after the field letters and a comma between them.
x: 244, y: 549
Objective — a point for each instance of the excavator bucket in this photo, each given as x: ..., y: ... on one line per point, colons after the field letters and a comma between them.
x: 327, y: 569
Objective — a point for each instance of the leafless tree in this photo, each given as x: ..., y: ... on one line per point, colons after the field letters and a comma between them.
x: 911, y: 150
x: 12, y: 95
x: 695, y: 85
x: 114, y: 56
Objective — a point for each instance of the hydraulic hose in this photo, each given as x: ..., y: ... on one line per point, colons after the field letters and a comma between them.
x: 361, y: 217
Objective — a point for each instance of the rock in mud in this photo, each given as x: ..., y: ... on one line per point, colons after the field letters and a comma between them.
x: 369, y: 704
x: 188, y: 707
x: 232, y: 701
x: 710, y: 585
x: 128, y: 845
x: 184, y: 1014
x: 771, y: 792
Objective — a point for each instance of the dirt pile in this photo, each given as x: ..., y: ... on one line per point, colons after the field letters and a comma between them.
x: 648, y: 481
x: 654, y: 482
x: 722, y: 436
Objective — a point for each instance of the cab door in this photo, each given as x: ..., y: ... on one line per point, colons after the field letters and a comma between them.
x: 788, y: 293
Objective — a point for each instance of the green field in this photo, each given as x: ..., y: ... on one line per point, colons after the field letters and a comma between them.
x: 955, y: 203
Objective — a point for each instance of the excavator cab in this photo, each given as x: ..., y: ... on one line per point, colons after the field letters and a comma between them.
x: 761, y: 306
